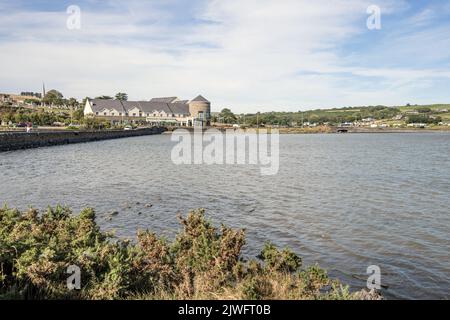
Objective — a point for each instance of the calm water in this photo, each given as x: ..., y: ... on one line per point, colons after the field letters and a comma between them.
x: 344, y: 201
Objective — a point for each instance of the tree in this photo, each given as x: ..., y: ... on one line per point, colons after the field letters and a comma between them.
x: 19, y: 117
x: 227, y: 116
x: 53, y: 97
x: 83, y: 103
x: 78, y: 114
x: 72, y: 102
x: 8, y: 117
x: 31, y: 101
x: 420, y: 118
x: 107, y: 97
x: 121, y: 96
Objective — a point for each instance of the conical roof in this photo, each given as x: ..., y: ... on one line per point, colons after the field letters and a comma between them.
x: 199, y: 98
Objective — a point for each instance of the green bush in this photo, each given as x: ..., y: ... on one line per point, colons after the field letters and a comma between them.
x: 282, y: 261
x: 203, y: 262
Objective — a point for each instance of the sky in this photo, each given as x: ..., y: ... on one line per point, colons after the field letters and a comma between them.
x: 248, y: 55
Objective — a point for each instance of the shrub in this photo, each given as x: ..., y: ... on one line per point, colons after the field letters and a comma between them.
x: 203, y: 262
x: 280, y: 261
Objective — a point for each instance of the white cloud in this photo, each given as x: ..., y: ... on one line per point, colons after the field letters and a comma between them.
x: 245, y: 54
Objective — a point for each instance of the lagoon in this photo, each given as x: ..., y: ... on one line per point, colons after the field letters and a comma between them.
x: 345, y: 201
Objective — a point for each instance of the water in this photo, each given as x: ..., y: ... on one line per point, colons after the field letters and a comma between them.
x: 344, y: 201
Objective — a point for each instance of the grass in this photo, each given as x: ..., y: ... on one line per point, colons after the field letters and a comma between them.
x: 203, y: 262
x: 433, y: 107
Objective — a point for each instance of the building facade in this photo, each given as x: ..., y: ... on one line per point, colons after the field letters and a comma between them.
x: 157, y: 111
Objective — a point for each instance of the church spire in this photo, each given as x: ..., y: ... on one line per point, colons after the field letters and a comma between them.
x: 43, y: 94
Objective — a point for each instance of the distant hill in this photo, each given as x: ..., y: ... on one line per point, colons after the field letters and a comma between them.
x: 350, y: 114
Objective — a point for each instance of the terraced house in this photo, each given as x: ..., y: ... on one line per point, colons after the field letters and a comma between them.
x: 157, y: 111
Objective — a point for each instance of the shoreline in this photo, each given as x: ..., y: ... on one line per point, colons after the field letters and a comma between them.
x: 374, y: 131
x: 19, y: 140
x: 11, y: 141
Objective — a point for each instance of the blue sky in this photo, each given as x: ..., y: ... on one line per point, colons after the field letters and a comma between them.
x: 245, y: 54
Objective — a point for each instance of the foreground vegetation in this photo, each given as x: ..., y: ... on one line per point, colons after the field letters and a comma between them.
x: 202, y: 262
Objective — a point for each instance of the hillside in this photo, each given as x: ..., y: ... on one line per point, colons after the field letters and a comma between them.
x: 430, y: 114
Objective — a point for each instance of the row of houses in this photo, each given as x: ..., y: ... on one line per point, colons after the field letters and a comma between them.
x: 157, y: 111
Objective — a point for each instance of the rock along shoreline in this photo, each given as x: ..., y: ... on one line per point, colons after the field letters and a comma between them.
x: 10, y: 141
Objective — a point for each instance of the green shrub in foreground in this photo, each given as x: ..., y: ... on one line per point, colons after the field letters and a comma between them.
x: 203, y: 262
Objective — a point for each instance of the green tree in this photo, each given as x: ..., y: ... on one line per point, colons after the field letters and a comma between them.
x: 32, y: 101
x: 226, y: 116
x: 53, y: 97
x: 419, y: 118
x: 72, y: 102
x: 121, y: 96
x: 19, y: 117
x: 78, y: 114
x: 7, y: 117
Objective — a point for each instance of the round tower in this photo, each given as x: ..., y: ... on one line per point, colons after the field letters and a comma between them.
x: 200, y: 109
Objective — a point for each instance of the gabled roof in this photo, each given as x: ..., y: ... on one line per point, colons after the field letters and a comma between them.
x: 164, y: 99
x: 128, y: 105
x: 179, y: 108
x: 100, y: 104
x: 200, y: 98
x: 150, y: 106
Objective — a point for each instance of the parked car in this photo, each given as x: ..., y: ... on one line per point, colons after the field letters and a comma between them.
x: 127, y: 128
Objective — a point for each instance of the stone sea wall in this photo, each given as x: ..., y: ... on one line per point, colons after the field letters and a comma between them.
x: 22, y: 140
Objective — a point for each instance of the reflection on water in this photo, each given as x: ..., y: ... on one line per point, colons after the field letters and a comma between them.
x: 345, y: 201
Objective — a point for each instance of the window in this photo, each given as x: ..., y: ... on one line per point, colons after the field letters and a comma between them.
x: 120, y: 113
x: 134, y: 114
x: 104, y: 113
x: 112, y: 114
x: 96, y: 113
